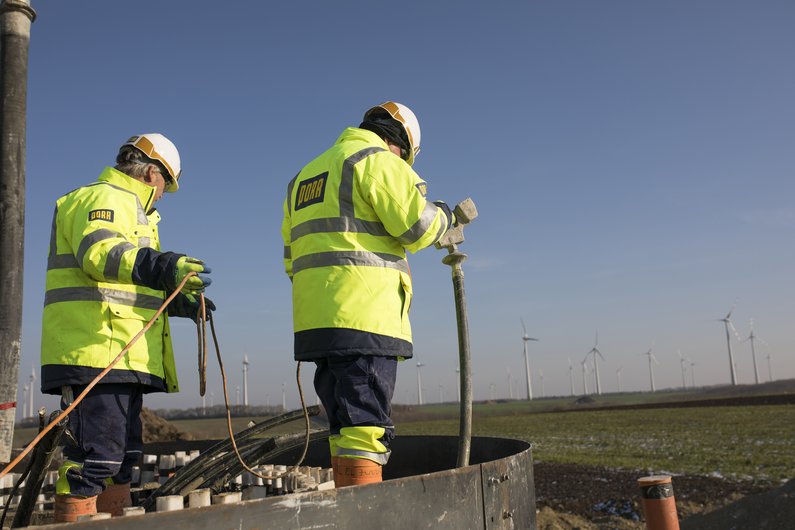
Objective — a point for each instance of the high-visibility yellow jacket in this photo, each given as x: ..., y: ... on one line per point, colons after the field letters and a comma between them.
x: 349, y: 217
x: 92, y: 308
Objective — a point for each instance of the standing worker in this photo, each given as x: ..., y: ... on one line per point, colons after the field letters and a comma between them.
x: 106, y: 278
x: 349, y: 217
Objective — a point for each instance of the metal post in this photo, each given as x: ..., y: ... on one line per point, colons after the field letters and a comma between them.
x: 16, y: 17
x: 465, y: 212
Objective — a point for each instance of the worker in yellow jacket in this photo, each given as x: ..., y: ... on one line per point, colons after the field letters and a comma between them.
x: 349, y: 217
x: 106, y: 278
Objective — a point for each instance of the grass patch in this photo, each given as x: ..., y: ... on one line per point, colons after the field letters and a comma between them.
x: 734, y: 442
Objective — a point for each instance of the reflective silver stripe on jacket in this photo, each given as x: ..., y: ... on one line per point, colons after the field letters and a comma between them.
x: 354, y: 258
x: 53, y: 231
x: 94, y: 237
x: 346, y: 181
x: 378, y: 458
x: 287, y: 252
x: 113, y: 261
x: 142, y: 218
x: 144, y: 242
x: 102, y: 294
x: 421, y: 226
x: 290, y: 187
x: 62, y: 261
x: 338, y: 224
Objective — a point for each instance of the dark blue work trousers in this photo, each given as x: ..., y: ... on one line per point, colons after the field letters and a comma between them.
x: 106, y: 426
x: 357, y: 392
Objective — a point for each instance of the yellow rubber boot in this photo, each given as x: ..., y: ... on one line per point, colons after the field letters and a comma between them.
x: 69, y: 507
x: 114, y: 499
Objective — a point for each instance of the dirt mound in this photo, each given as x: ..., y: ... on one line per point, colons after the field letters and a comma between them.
x: 156, y: 429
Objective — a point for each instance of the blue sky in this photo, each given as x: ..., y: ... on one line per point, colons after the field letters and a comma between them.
x: 632, y: 163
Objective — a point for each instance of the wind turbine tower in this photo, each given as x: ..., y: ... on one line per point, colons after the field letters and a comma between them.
x: 571, y: 378
x: 584, y: 376
x: 541, y: 376
x: 693, y: 373
x: 652, y: 358
x: 245, y: 381
x: 525, y: 339
x: 683, y: 364
x: 618, y: 378
x: 24, y: 401
x: 751, y: 338
x: 32, y: 386
x: 419, y: 384
x: 596, y: 353
x: 727, y: 322
x: 769, y: 369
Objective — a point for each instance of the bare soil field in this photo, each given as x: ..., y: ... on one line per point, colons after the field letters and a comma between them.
x: 582, y: 497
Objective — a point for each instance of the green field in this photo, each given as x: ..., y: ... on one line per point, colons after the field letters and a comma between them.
x: 735, y: 442
x: 729, y: 441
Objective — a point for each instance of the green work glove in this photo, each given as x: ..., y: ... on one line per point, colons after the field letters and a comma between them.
x: 195, y: 284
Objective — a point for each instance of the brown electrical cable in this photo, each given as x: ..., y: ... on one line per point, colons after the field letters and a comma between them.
x: 96, y: 380
x: 201, y: 326
x: 229, y: 412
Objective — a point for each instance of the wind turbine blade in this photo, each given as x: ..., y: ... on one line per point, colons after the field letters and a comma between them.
x: 729, y: 314
x: 523, y: 326
x: 734, y: 330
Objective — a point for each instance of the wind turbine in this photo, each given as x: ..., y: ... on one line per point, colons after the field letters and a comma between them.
x: 618, y: 377
x: 245, y: 380
x: 419, y: 384
x: 652, y: 358
x: 751, y: 338
x: 693, y: 373
x: 728, y: 323
x: 683, y: 363
x: 584, y: 380
x: 769, y: 369
x: 541, y: 376
x: 24, y: 401
x: 284, y: 399
x: 510, y: 385
x: 30, y: 395
x: 571, y: 378
x: 595, y: 352
x: 525, y: 338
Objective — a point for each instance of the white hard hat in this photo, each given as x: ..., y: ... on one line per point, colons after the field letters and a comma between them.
x: 407, y: 119
x: 158, y: 147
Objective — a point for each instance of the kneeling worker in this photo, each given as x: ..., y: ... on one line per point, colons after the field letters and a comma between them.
x: 349, y: 217
x: 106, y: 278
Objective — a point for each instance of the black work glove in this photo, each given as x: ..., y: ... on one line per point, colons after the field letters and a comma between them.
x: 189, y: 306
x: 447, y: 212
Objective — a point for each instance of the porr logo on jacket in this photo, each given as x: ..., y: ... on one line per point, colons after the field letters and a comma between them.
x: 100, y: 215
x: 311, y: 191
x: 422, y: 187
